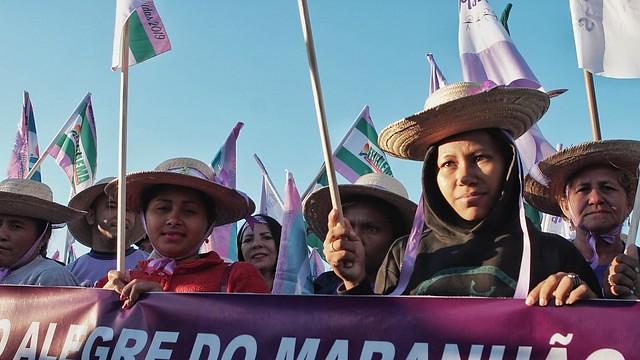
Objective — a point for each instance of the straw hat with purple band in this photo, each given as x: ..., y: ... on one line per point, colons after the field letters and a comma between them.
x: 546, y: 182
x: 383, y: 187
x: 461, y: 107
x: 28, y: 198
x: 80, y: 228
x: 230, y: 205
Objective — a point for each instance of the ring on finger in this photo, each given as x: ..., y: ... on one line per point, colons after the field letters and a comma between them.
x: 575, y: 280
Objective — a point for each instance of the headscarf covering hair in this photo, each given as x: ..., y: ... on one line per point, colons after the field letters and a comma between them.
x: 274, y: 227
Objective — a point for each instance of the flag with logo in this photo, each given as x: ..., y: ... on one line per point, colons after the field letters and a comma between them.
x: 75, y: 150
x: 293, y: 266
x: 224, y: 169
x: 147, y: 35
x: 607, y: 36
x: 357, y: 154
x: 25, y: 152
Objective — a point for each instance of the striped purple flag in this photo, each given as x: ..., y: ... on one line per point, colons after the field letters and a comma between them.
x: 293, y: 253
x: 486, y: 50
x: 25, y: 152
x: 147, y: 35
x: 224, y: 169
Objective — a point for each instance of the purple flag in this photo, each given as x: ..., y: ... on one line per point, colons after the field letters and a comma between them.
x: 25, y: 152
x: 293, y: 252
x: 270, y: 202
x: 224, y: 168
x: 436, y: 79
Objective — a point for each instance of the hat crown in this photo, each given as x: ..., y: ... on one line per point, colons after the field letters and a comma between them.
x: 452, y: 92
x: 383, y: 182
x: 187, y: 166
x: 27, y: 188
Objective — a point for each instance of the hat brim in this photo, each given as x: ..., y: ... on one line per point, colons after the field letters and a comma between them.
x: 230, y: 205
x: 36, y: 208
x: 559, y: 167
x: 512, y: 109
x: 80, y: 228
x: 317, y: 206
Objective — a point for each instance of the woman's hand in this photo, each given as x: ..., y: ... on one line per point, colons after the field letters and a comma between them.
x: 566, y: 288
x: 344, y: 251
x: 129, y: 290
x: 623, y: 278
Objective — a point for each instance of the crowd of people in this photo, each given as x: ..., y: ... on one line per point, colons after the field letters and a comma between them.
x: 476, y: 239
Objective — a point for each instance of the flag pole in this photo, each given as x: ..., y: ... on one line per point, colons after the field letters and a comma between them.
x: 593, y: 106
x: 64, y: 127
x: 263, y: 170
x: 633, y: 227
x: 319, y: 104
x: 122, y: 156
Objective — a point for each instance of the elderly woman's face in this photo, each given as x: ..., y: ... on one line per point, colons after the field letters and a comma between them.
x: 470, y: 171
x: 596, y: 201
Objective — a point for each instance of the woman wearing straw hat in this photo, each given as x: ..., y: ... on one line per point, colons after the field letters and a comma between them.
x: 180, y: 204
x: 379, y: 211
x: 98, y: 231
x: 593, y: 186
x: 27, y: 212
x: 478, y: 242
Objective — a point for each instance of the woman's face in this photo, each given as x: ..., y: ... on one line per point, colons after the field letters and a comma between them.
x: 17, y: 235
x: 470, y: 171
x: 259, y: 248
x: 596, y: 200
x: 176, y: 221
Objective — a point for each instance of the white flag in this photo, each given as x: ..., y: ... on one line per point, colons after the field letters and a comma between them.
x: 607, y: 35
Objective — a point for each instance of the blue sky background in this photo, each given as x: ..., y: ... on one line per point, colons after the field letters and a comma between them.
x: 246, y: 61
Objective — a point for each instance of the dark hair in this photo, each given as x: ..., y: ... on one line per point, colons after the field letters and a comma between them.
x: 274, y: 227
x: 152, y: 191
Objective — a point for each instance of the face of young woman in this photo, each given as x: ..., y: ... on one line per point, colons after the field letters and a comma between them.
x: 176, y: 221
x: 17, y: 235
x: 470, y: 173
x: 259, y: 248
x: 597, y: 201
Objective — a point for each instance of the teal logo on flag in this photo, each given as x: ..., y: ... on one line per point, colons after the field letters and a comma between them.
x: 375, y: 159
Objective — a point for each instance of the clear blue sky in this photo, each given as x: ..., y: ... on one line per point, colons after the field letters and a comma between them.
x: 246, y: 61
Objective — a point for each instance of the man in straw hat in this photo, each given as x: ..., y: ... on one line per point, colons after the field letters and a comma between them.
x: 593, y: 186
x: 379, y: 211
x: 27, y: 212
x: 478, y: 242
x: 180, y: 204
x: 98, y: 230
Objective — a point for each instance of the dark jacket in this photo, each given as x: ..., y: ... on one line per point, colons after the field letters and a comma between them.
x: 461, y: 258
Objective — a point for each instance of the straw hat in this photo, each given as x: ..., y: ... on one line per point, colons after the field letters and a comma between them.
x: 230, y: 205
x: 28, y: 198
x: 546, y: 182
x: 383, y: 187
x: 80, y: 228
x: 461, y: 107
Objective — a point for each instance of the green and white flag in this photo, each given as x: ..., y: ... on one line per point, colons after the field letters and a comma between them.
x: 147, y: 35
x: 357, y: 154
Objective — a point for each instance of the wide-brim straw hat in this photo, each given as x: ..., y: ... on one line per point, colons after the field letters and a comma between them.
x: 462, y: 107
x: 33, y: 199
x: 546, y: 182
x: 383, y: 187
x: 80, y: 228
x: 230, y: 205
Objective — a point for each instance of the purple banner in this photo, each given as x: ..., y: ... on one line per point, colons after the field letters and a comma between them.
x: 74, y: 323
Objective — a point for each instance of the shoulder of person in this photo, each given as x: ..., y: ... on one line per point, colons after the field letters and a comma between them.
x: 54, y: 274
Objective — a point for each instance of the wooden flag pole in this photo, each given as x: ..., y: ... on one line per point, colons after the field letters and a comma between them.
x: 593, y: 106
x: 319, y: 103
x: 122, y: 156
x: 631, y: 249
